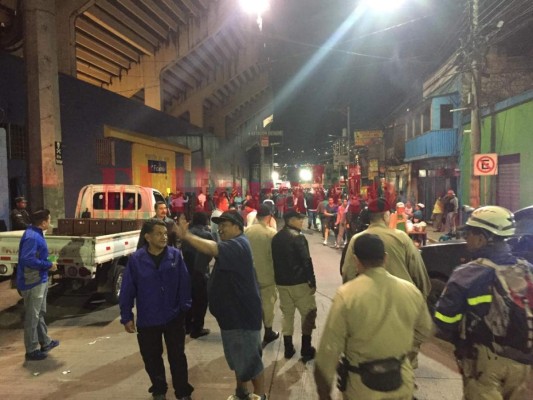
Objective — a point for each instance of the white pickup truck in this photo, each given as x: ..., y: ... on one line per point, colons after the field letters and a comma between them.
x: 89, y: 248
x: 80, y: 258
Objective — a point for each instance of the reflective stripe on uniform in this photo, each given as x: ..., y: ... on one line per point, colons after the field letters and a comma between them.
x: 474, y: 301
x: 448, y: 320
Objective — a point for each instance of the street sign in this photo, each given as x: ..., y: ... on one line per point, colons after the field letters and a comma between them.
x: 485, y: 164
x: 264, y: 141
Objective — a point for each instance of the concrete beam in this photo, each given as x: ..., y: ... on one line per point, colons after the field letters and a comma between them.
x: 66, y: 13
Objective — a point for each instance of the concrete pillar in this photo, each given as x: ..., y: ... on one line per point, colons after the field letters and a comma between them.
x: 196, y: 111
x: 4, y: 182
x: 152, y: 83
x: 46, y: 186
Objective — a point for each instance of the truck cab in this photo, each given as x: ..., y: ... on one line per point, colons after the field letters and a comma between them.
x: 117, y: 201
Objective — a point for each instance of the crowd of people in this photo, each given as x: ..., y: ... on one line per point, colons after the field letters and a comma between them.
x: 378, y: 319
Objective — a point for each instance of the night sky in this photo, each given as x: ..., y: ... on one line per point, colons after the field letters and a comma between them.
x: 378, y: 60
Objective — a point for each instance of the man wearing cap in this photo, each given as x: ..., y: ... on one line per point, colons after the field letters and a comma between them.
x: 374, y: 317
x: 32, y: 281
x: 20, y: 219
x: 260, y: 236
x: 234, y: 300
x: 296, y: 283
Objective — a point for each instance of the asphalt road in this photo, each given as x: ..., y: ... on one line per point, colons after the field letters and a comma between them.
x: 97, y: 359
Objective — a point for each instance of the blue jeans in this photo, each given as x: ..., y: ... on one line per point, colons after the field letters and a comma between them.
x: 311, y: 218
x: 35, y: 329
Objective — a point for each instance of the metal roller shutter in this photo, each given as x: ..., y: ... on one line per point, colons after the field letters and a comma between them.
x: 508, y: 192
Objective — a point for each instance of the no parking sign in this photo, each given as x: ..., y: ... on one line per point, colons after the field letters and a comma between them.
x: 486, y: 164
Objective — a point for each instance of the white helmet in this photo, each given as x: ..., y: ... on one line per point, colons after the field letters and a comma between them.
x: 495, y: 219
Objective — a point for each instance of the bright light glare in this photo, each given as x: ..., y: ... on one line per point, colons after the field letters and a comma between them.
x: 275, y: 176
x: 305, y: 175
x: 384, y: 5
x: 256, y: 7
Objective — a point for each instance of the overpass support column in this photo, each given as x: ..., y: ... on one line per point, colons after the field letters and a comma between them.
x: 196, y: 112
x: 152, y: 83
x: 46, y: 186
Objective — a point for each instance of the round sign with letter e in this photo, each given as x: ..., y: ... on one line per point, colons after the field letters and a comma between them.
x: 486, y: 164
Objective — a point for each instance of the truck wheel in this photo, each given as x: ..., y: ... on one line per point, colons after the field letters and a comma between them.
x: 437, y: 286
x: 117, y: 284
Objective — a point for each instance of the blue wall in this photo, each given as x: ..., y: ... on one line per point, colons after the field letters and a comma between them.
x: 85, y: 109
x: 436, y: 102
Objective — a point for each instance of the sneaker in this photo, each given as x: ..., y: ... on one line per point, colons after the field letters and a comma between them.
x: 336, y: 246
x: 36, y: 355
x: 50, y: 346
x: 325, y: 243
x: 200, y: 333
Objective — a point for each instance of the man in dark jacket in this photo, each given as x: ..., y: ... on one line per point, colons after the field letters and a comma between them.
x: 295, y: 280
x: 156, y: 280
x: 32, y: 281
x: 20, y: 219
x: 198, y: 266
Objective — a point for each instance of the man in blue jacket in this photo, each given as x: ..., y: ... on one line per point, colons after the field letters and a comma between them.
x: 157, y: 280
x: 32, y: 281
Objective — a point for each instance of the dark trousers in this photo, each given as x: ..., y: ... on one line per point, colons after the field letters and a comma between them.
x: 196, y: 315
x: 151, y: 347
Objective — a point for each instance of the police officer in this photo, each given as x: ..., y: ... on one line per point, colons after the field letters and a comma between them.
x: 296, y: 283
x: 20, y: 219
x: 492, y: 367
x: 373, y: 318
x: 403, y: 258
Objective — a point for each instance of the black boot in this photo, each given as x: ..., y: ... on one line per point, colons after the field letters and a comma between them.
x: 289, y: 347
x: 308, y: 351
x: 269, y: 336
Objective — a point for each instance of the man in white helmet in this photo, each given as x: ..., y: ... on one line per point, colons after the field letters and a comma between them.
x: 493, y: 346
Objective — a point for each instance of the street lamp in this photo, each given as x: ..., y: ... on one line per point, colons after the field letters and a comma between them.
x: 256, y: 7
x: 384, y: 5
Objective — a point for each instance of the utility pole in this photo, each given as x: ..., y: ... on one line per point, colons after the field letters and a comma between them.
x: 475, y: 133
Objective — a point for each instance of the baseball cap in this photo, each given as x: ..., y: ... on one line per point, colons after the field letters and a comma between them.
x: 264, y: 211
x: 231, y: 216
x: 378, y: 205
x: 369, y: 247
x: 292, y: 213
x: 20, y: 199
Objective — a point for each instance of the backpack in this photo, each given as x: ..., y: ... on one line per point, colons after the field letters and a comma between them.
x: 448, y: 205
x: 510, y: 318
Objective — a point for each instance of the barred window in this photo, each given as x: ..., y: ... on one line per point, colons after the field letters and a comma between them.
x: 16, y: 141
x: 105, y: 152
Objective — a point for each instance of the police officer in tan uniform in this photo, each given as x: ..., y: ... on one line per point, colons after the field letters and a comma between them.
x: 403, y: 258
x: 296, y: 283
x: 260, y: 237
x: 373, y: 318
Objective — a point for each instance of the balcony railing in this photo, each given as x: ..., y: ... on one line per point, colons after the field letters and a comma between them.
x: 432, y: 144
